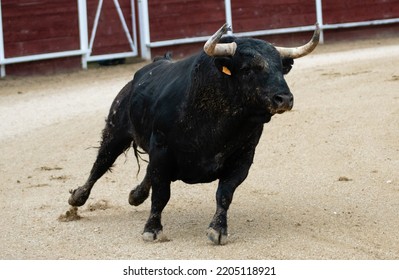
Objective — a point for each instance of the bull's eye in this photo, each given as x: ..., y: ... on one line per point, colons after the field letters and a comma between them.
x: 259, y: 68
x: 245, y: 69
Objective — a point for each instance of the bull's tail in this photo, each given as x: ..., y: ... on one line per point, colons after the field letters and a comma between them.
x: 138, y: 154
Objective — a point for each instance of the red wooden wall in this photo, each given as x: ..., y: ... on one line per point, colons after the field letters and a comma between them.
x: 250, y: 15
x: 171, y: 19
x: 43, y: 26
x: 359, y: 10
x: 40, y: 26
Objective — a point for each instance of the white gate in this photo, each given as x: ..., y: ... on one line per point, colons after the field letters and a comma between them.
x: 131, y: 37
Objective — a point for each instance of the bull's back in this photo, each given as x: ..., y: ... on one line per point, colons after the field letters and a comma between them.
x: 158, y: 91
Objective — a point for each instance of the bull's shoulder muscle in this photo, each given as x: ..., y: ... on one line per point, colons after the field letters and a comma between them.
x: 159, y: 91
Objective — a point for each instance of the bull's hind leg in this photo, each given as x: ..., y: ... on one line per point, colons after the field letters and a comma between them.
x: 159, y: 198
x: 158, y: 172
x: 138, y: 195
x: 114, y: 143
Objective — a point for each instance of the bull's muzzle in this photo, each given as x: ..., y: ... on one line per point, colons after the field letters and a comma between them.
x: 283, y: 102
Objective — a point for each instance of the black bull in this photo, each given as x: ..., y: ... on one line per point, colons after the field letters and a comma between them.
x: 199, y: 120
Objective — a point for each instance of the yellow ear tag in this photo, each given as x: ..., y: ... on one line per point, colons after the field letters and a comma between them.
x: 226, y: 71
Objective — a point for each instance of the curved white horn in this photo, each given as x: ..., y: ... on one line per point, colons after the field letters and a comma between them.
x: 213, y: 48
x: 302, y: 50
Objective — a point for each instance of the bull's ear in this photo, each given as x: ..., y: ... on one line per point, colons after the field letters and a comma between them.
x: 224, y: 65
x: 287, y: 64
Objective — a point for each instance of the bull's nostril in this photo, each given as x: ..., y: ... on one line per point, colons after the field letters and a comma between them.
x: 279, y: 100
x: 283, y: 102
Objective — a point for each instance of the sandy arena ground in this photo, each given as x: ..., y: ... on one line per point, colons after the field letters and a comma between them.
x: 324, y: 183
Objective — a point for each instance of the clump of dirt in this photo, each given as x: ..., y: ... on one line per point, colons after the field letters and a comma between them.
x: 61, y: 178
x: 394, y: 78
x: 70, y: 215
x: 344, y: 179
x: 99, y: 205
x: 38, y: 186
x: 48, y: 168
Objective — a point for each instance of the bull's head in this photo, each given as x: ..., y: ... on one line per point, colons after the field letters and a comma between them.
x: 257, y: 68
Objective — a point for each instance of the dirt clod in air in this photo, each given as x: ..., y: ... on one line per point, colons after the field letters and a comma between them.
x: 70, y: 215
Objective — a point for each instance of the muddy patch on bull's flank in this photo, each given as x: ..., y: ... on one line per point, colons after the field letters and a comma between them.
x: 70, y: 215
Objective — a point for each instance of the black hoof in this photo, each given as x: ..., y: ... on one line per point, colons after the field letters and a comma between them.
x: 78, y: 196
x: 137, y: 196
x: 154, y: 236
x: 216, y: 236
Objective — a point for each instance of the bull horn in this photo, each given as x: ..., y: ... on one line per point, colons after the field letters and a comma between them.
x: 302, y: 50
x: 212, y: 48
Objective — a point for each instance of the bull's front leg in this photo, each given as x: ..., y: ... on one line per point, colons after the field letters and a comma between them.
x: 217, y: 231
x: 233, y: 175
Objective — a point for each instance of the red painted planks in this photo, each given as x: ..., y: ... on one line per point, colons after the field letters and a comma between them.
x: 356, y: 10
x: 181, y: 19
x: 260, y: 15
x: 36, y: 27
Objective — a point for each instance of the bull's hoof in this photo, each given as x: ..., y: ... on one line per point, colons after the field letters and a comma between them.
x: 78, y: 196
x: 137, y: 196
x: 154, y: 236
x: 217, y: 237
